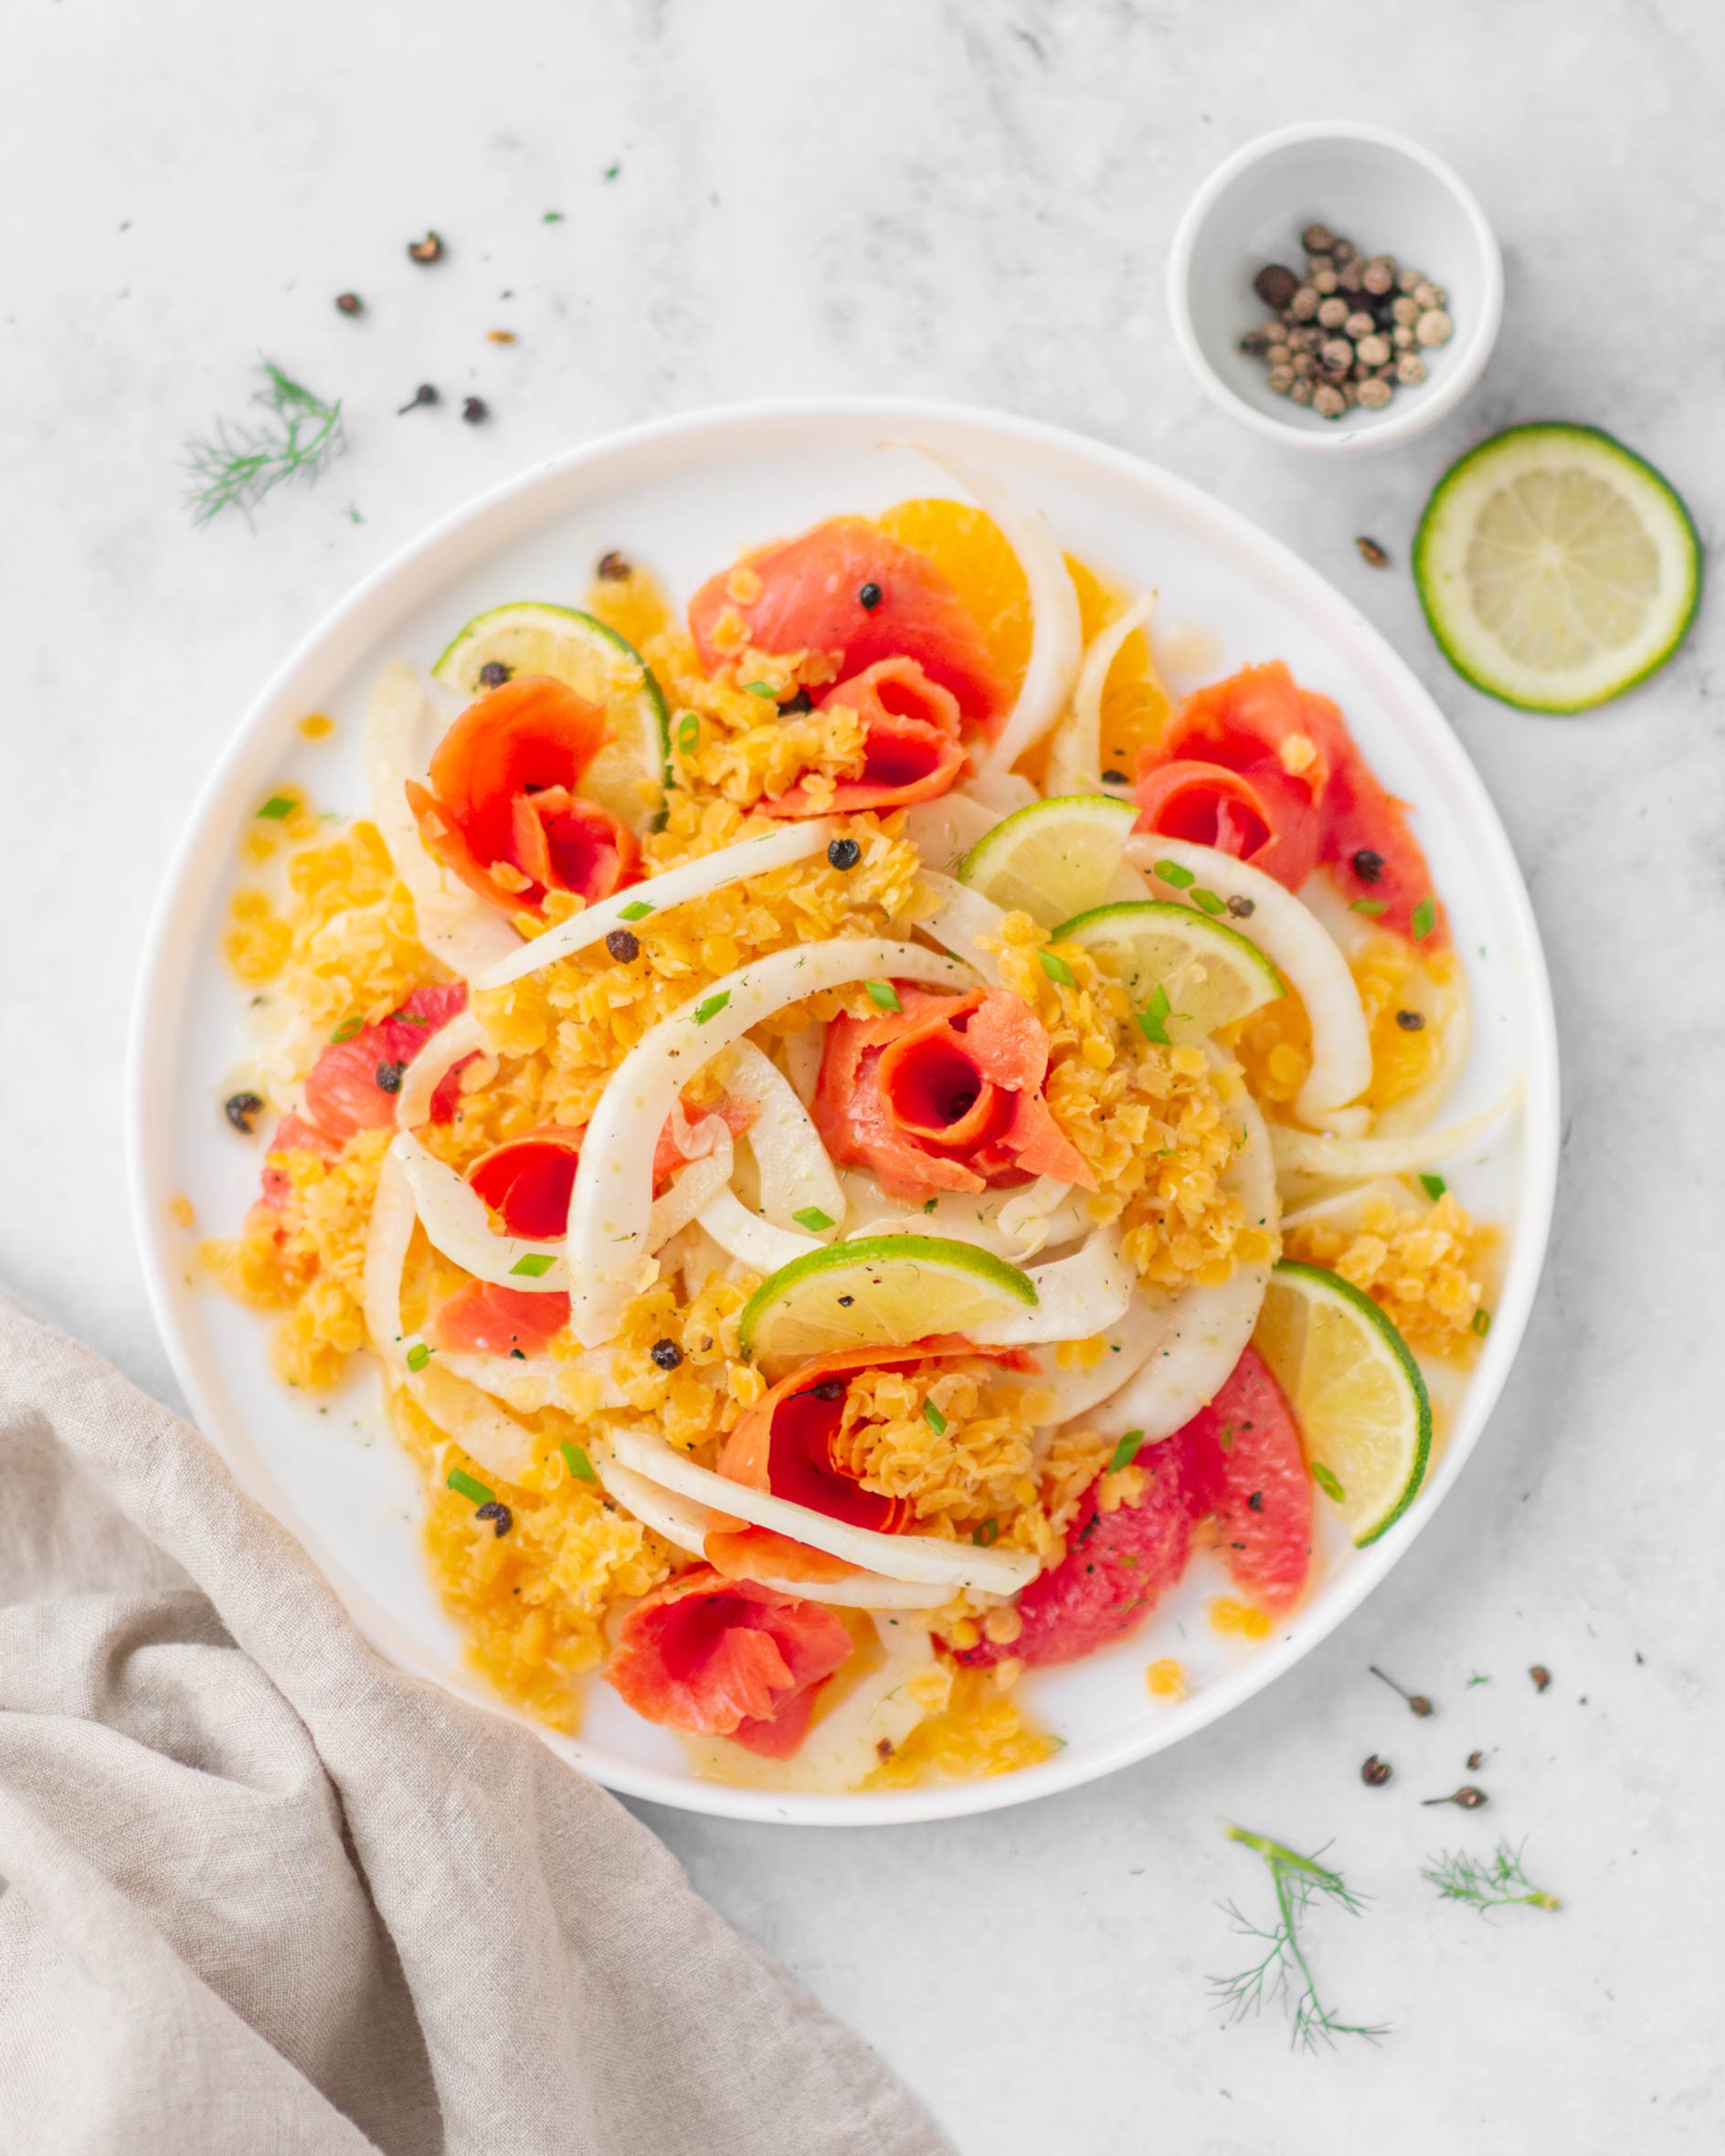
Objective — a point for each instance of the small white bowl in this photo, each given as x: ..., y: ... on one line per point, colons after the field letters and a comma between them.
x: 1389, y: 196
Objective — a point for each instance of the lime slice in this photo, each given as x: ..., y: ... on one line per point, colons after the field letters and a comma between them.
x: 630, y: 774
x: 1355, y: 1391
x: 1209, y: 975
x: 879, y: 1291
x: 1054, y: 858
x: 1556, y: 568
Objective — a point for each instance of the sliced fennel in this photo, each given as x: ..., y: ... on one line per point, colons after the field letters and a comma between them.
x: 451, y: 1044
x: 796, y: 1174
x: 455, y: 1220
x: 1074, y: 758
x: 961, y: 920
x: 1075, y: 1297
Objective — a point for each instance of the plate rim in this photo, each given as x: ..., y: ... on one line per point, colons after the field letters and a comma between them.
x: 156, y: 1016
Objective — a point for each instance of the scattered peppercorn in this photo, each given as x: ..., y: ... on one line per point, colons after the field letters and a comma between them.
x: 623, y: 945
x: 1418, y: 1703
x: 1367, y: 865
x: 844, y: 853
x: 666, y: 1354
x: 474, y: 409
x: 1376, y: 1772
x: 388, y: 1076
x: 1255, y: 1503
x: 614, y: 569
x: 1369, y: 308
x: 829, y: 1389
x: 845, y: 1302
x: 349, y: 302
x: 426, y: 394
x: 800, y: 701
x: 429, y: 249
x: 1371, y: 553
x: 1470, y: 1798
x: 499, y: 1515
x: 495, y: 673
x: 242, y: 1110
x: 869, y: 597
x: 1542, y: 1676
x: 1275, y: 285
x: 1476, y: 1760
x: 1241, y: 908
x: 1410, y: 1021
x: 1115, y: 778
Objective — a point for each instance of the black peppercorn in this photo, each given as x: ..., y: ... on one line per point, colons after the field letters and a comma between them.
x: 845, y: 1302
x: 1115, y: 778
x: 1542, y: 1676
x: 800, y: 701
x: 495, y: 673
x: 1410, y: 1021
x: 388, y: 1076
x: 1371, y: 553
x: 1375, y: 1772
x: 829, y: 1389
x: 349, y: 302
x: 1367, y: 865
x: 1241, y: 908
x: 474, y: 409
x: 666, y: 1354
x: 623, y: 945
x: 614, y: 569
x: 844, y: 853
x: 869, y: 597
x: 429, y: 249
x: 499, y: 1515
x: 243, y: 1109
x: 426, y: 394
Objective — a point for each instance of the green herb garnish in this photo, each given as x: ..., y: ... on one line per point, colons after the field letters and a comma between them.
x: 278, y: 807
x: 459, y: 1479
x: 553, y: 216
x: 419, y: 1355
x: 1425, y: 919
x: 534, y: 1264
x: 1482, y: 1321
x: 688, y: 732
x: 1326, y: 1482
x: 989, y: 1531
x: 1126, y: 1452
x: 882, y: 995
x: 930, y: 1204
x: 345, y: 1030
x: 1207, y: 902
x: 1488, y: 1885
x: 1374, y: 906
x: 711, y: 1007
x: 1171, y: 872
x: 578, y: 1463
x: 1284, y: 1972
x: 1057, y: 969
x: 236, y: 465
x: 1433, y: 1186
x: 764, y: 689
x: 1153, y: 1018
x: 935, y: 1421
x: 813, y: 1218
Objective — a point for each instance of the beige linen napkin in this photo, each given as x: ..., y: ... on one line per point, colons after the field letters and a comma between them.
x: 261, y: 1894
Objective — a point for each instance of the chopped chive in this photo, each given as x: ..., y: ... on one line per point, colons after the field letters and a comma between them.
x: 578, y: 1463
x: 1425, y: 919
x: 813, y: 1218
x: 1374, y: 906
x: 1433, y: 1186
x: 1153, y: 1018
x: 419, y: 1355
x: 1057, y: 969
x: 1482, y: 1321
x: 989, y: 1531
x: 345, y: 1030
x: 637, y: 910
x: 711, y: 1007
x: 688, y: 732
x: 535, y: 1262
x: 935, y: 1421
x: 459, y: 1479
x: 1126, y: 1452
x: 1171, y: 872
x: 764, y: 689
x: 884, y: 994
x: 278, y: 807
x: 1326, y: 1482
x: 1207, y: 902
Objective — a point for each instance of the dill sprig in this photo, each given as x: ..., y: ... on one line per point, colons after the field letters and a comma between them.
x: 1283, y: 1971
x: 238, y: 463
x: 1498, y: 1883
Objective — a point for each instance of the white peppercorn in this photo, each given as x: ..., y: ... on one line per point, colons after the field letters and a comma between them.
x: 1372, y: 350
x: 1280, y: 379
x: 1408, y: 280
x: 1348, y: 333
x: 1303, y: 364
x: 1361, y: 324
x: 1303, y: 306
x: 1329, y: 402
x: 1341, y: 252
x: 1301, y: 392
x: 1434, y: 327
x: 1306, y: 338
x: 1332, y: 314
x: 1317, y: 239
x: 1405, y: 309
x: 1402, y: 336
x: 1373, y: 394
x: 1323, y: 280
x: 1428, y: 294
x: 1350, y: 395
x: 1278, y: 356
x: 1378, y: 276
x: 1349, y: 276
x: 1410, y: 370
x: 1338, y: 353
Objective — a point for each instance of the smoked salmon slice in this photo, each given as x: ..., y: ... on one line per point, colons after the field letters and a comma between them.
x: 353, y: 1083
x: 528, y: 1181
x: 727, y: 1658
x: 502, y: 813
x: 912, y: 747
x: 484, y: 1319
x: 847, y: 590
x: 943, y: 1093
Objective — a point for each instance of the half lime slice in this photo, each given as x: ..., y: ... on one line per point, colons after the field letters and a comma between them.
x: 1355, y: 1391
x: 882, y: 1290
x: 1182, y: 970
x: 630, y: 773
x: 1556, y: 568
x: 1053, y: 859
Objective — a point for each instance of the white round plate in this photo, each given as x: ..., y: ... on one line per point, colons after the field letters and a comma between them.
x: 683, y: 496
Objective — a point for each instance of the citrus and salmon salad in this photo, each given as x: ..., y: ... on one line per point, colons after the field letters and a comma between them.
x: 864, y: 1140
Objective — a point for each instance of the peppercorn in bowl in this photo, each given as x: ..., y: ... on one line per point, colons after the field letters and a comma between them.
x: 824, y: 1149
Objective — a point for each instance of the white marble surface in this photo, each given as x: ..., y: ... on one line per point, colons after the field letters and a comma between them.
x: 970, y: 201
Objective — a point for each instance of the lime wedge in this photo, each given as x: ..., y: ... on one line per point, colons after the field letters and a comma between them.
x: 1556, y: 568
x: 630, y: 774
x: 1054, y: 858
x: 1355, y: 1391
x: 879, y: 1291
x: 1207, y: 975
